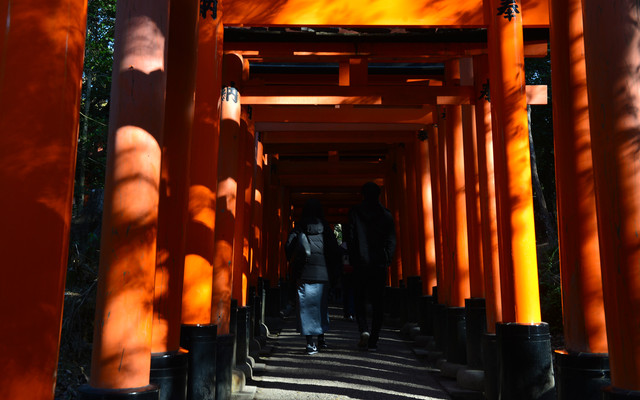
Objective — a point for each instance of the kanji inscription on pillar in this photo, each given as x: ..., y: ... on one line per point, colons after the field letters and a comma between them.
x: 209, y: 5
x: 508, y: 9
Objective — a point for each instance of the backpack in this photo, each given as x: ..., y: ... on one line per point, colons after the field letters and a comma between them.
x: 300, y: 254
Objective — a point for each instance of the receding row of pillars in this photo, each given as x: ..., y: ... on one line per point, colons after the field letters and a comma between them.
x: 182, y: 233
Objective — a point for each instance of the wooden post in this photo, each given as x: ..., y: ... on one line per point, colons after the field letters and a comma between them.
x: 122, y: 337
x: 426, y: 183
x: 174, y: 177
x: 444, y: 291
x: 40, y: 81
x: 257, y: 207
x: 476, y: 269
x: 612, y: 64
x: 203, y: 173
x: 490, y: 248
x: 456, y: 190
x: 226, y: 193
x: 412, y: 211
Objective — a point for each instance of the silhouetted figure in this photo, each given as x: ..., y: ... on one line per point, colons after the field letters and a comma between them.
x: 371, y: 243
x: 312, y: 250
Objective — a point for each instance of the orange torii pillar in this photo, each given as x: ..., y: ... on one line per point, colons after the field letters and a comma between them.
x: 413, y: 279
x: 475, y: 305
x: 583, y: 366
x: 612, y: 76
x: 523, y: 341
x: 436, y: 198
x: 256, y: 272
x: 41, y: 79
x: 455, y: 345
x: 424, y: 181
x: 168, y: 362
x: 203, y: 173
x: 400, y: 197
x: 124, y: 308
x: 395, y: 271
x: 490, y: 250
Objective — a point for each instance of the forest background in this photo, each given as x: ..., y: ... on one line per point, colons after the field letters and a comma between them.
x: 79, y: 307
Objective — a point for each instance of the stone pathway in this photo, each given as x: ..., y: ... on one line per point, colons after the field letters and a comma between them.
x: 343, y: 371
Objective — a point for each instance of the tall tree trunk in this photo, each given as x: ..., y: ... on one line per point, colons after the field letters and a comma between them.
x: 82, y: 145
x: 545, y: 215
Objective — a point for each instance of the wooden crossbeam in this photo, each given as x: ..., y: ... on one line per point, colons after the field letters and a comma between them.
x: 337, y: 136
x: 363, y: 13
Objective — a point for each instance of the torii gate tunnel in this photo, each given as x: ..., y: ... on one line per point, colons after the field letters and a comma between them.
x: 225, y: 117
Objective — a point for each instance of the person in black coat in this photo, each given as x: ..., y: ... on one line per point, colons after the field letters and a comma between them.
x: 371, y: 242
x: 314, y: 274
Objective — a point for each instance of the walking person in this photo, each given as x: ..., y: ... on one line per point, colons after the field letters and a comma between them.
x: 371, y: 243
x: 312, y: 250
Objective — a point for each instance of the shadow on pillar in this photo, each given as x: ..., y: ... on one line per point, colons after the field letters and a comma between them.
x: 455, y: 341
x: 150, y: 392
x: 581, y: 375
x: 471, y: 377
x: 525, y: 367
x: 169, y: 373
x: 201, y: 341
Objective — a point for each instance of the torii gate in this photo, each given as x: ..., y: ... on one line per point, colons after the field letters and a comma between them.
x: 41, y: 70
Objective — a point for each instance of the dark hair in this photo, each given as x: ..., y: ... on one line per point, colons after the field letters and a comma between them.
x: 312, y: 209
x: 370, y: 191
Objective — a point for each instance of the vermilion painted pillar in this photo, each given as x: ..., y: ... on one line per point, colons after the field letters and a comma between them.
x: 444, y: 292
x: 612, y: 62
x: 401, y: 203
x: 457, y: 202
x: 425, y: 184
x: 476, y: 269
x: 226, y: 194
x: 487, y: 194
x: 582, y: 303
x: 257, y: 207
x: 203, y: 173
x: 432, y: 142
x: 122, y: 337
x: 412, y: 210
x: 524, y: 346
x: 40, y: 81
x: 395, y: 273
x: 174, y: 177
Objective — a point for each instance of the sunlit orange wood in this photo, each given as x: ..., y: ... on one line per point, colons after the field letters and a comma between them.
x: 40, y: 81
x: 436, y: 198
x: 511, y: 145
x: 174, y: 176
x: 122, y: 338
x: 476, y: 267
x: 457, y: 219
x: 612, y: 62
x: 198, y: 273
x: 392, y: 201
x: 226, y: 194
x: 444, y: 291
x: 342, y: 118
x: 257, y: 214
x: 487, y: 194
x: 380, y: 52
x: 394, y: 13
x: 427, y: 210
x: 401, y: 195
x: 582, y: 303
x: 413, y: 201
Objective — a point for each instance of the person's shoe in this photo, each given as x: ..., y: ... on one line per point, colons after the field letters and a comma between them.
x: 364, y: 340
x: 312, y: 349
x: 322, y: 344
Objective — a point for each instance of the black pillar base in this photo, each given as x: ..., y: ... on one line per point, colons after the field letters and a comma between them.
x: 414, y: 292
x: 149, y: 392
x: 490, y: 363
x: 439, y: 326
x: 242, y: 335
x: 455, y: 348
x: 169, y: 374
x: 201, y: 341
x: 476, y: 323
x: 614, y: 393
x: 525, y: 362
x: 425, y: 321
x: 581, y: 375
x: 224, y: 366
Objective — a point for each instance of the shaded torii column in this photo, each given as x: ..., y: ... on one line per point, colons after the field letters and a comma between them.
x: 489, y: 221
x: 436, y: 198
x: 203, y: 173
x: 582, y: 303
x: 257, y: 207
x: 173, y: 197
x: 411, y: 197
x: 524, y: 347
x: 390, y: 185
x: 455, y: 348
x: 444, y: 286
x: 400, y: 201
x: 612, y: 74
x: 122, y: 339
x: 226, y: 196
x: 41, y: 79
x: 426, y: 181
